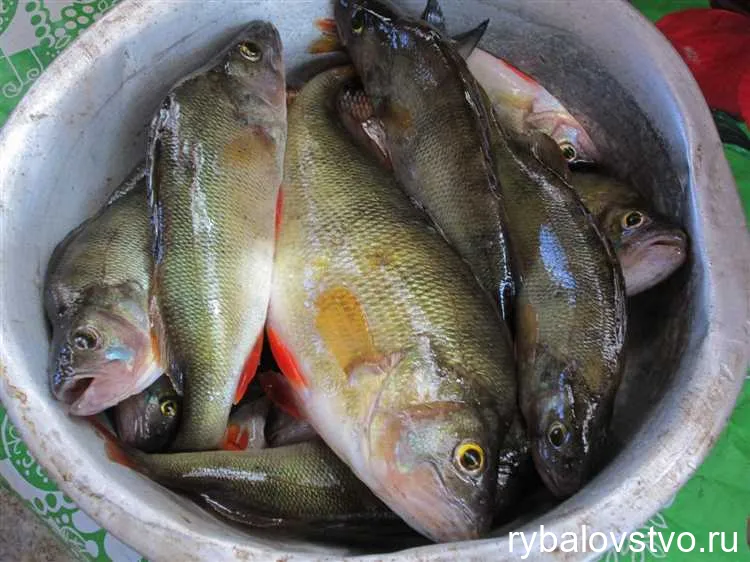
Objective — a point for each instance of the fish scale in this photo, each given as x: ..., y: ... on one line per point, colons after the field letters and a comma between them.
x: 569, y: 299
x: 217, y: 152
x: 96, y: 290
x: 393, y: 350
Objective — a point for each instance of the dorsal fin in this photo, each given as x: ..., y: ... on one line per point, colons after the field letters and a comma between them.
x: 433, y: 14
x: 466, y: 42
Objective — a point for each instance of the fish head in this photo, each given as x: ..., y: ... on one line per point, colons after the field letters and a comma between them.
x: 574, y: 142
x: 255, y: 63
x: 369, y: 31
x: 434, y: 455
x: 102, y: 352
x: 149, y: 420
x: 566, y: 425
x: 648, y: 246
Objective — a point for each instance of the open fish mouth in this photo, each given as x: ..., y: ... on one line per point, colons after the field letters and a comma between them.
x: 653, y: 261
x: 91, y: 392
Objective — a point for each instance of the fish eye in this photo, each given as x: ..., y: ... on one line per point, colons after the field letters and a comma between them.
x: 86, y: 338
x: 557, y: 434
x: 168, y: 408
x: 251, y: 51
x: 633, y: 219
x: 569, y: 151
x: 469, y: 457
x: 358, y: 21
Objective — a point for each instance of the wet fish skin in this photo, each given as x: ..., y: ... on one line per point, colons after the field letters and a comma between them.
x: 384, y: 333
x: 437, y: 137
x: 649, y: 246
x: 569, y: 311
x: 523, y: 105
x: 570, y: 315
x: 149, y: 420
x: 286, y: 486
x: 96, y: 300
x: 520, y: 102
x: 216, y: 156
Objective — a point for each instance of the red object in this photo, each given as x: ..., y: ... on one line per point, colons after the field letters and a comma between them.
x: 285, y: 360
x: 249, y: 370
x: 235, y: 438
x: 279, y: 211
x: 743, y: 95
x: 715, y: 44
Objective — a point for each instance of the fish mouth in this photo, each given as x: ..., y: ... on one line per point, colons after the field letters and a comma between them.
x: 562, y: 483
x: 90, y: 392
x: 71, y: 388
x: 653, y: 260
x: 422, y: 500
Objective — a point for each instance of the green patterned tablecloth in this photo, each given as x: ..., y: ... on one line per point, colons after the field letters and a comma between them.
x: 32, y: 34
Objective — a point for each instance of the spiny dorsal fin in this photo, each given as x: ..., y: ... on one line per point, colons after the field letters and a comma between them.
x: 466, y: 42
x: 433, y: 14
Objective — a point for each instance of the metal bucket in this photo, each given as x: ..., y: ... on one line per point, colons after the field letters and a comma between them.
x: 80, y: 130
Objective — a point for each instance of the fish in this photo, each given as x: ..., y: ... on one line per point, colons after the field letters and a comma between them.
x: 521, y: 103
x: 438, y: 146
x: 149, y: 420
x: 96, y: 298
x: 216, y: 163
x: 570, y: 314
x: 569, y: 301
x: 288, y: 486
x: 649, y: 246
x: 394, y: 353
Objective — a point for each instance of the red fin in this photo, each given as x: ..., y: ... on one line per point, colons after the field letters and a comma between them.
x: 278, y: 390
x: 285, y: 361
x: 324, y: 45
x: 279, y: 210
x: 117, y: 454
x: 326, y: 26
x: 520, y: 73
x: 100, y: 429
x: 235, y: 438
x: 249, y: 370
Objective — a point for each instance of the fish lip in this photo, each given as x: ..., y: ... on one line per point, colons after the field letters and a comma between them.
x: 561, y: 486
x: 451, y: 523
x: 72, y: 388
x: 454, y: 522
x: 668, y: 250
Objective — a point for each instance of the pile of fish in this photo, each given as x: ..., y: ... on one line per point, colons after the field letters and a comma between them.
x: 423, y: 241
